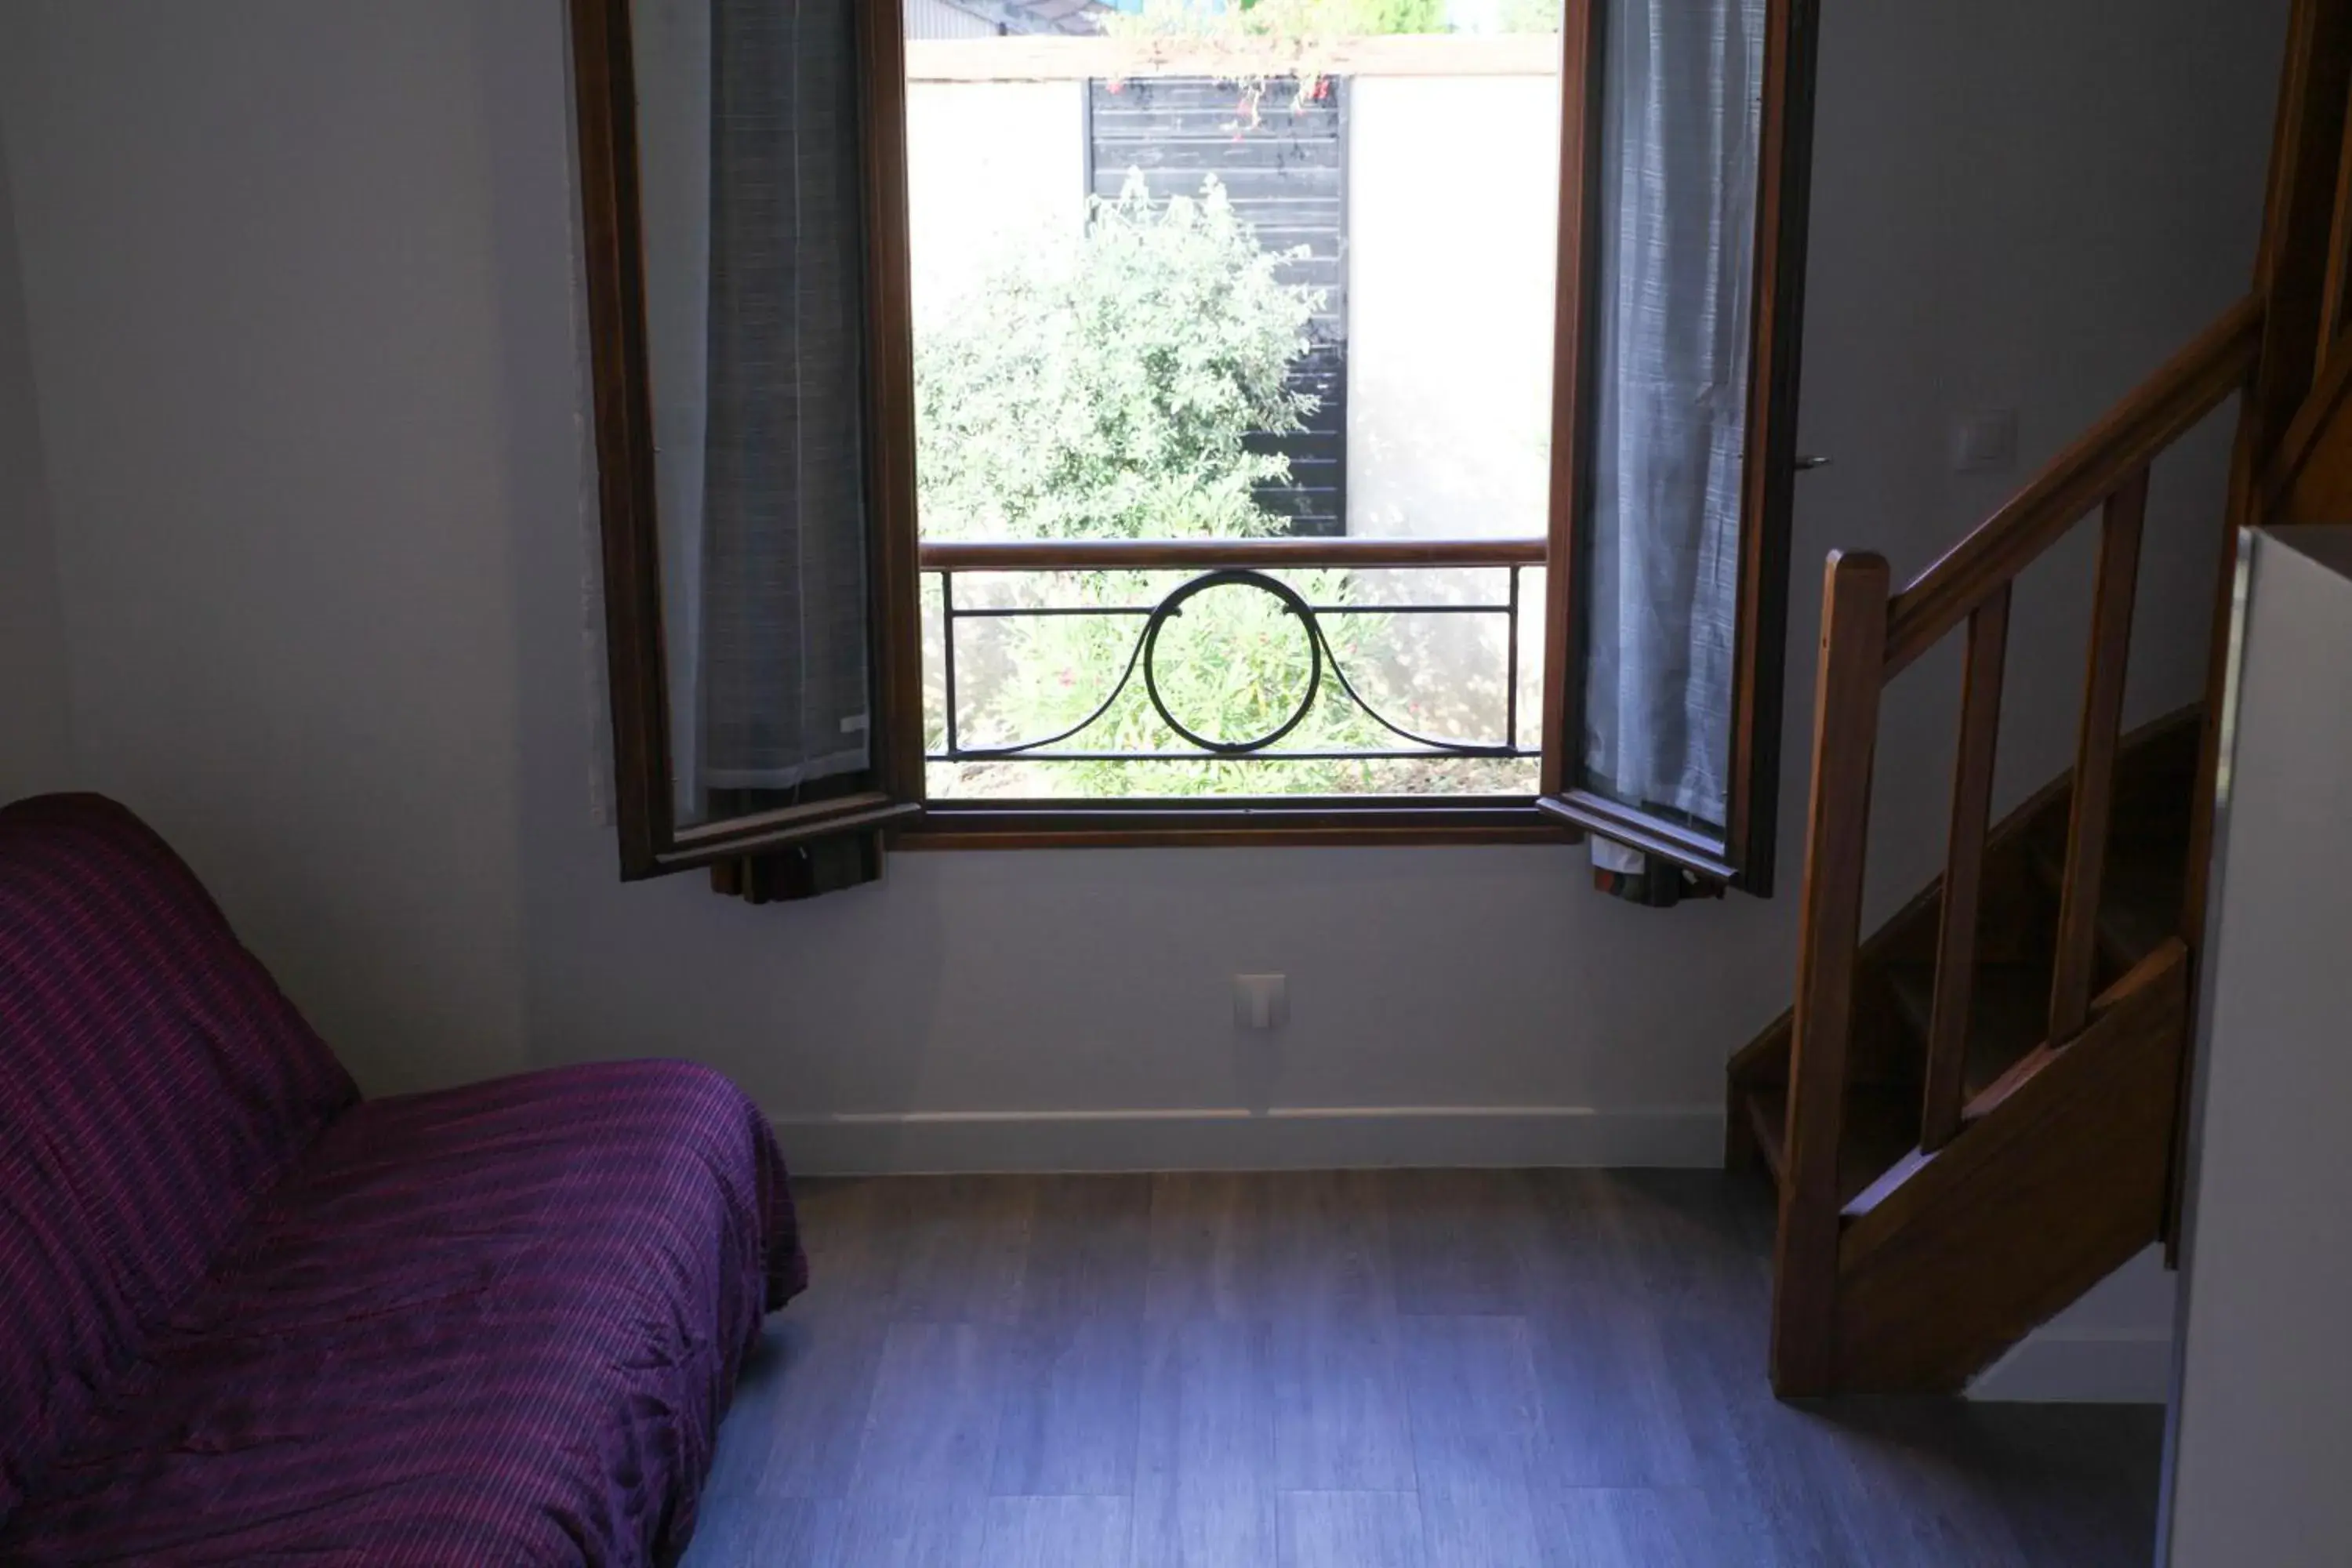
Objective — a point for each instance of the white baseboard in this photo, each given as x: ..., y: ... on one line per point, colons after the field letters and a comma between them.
x: 2089, y: 1367
x: 1305, y: 1138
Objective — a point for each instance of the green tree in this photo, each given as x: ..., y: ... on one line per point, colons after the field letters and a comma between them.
x: 1105, y: 387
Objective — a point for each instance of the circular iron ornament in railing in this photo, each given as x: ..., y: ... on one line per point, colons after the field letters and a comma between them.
x: 1239, y: 577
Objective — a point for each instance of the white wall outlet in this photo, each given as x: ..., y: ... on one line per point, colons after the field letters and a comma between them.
x: 1984, y: 440
x: 1261, y: 1001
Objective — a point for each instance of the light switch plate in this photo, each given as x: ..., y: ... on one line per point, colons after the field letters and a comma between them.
x: 1984, y: 440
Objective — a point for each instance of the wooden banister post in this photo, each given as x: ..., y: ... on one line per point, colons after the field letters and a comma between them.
x: 2095, y: 760
x: 1956, y: 937
x: 1847, y: 687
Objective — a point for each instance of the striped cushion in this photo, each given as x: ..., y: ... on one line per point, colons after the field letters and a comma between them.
x: 152, y: 1082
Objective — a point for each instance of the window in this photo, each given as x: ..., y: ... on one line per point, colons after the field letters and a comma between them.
x: 1068, y: 423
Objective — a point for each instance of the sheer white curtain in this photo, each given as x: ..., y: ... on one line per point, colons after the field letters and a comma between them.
x: 1677, y: 207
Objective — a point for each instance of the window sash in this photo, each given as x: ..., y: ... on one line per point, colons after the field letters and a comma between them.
x: 1743, y: 854
x: 888, y: 791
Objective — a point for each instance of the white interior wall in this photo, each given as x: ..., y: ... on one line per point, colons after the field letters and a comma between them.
x: 257, y: 265
x: 2012, y: 210
x: 35, y: 735
x: 2113, y: 1346
x: 302, y: 329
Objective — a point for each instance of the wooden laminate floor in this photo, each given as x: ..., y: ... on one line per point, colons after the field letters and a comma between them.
x: 1428, y: 1369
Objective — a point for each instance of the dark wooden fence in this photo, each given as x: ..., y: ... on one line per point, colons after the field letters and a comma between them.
x: 1282, y: 159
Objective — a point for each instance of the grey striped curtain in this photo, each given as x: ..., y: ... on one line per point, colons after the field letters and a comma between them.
x: 1677, y: 208
x: 780, y: 622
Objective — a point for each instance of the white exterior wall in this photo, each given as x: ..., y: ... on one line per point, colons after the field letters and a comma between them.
x: 1452, y: 220
x: 990, y: 166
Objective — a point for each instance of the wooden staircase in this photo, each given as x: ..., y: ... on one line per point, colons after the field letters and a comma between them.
x: 1970, y: 1117
x: 1939, y: 1246
x: 1894, y: 979
x: 1974, y: 1116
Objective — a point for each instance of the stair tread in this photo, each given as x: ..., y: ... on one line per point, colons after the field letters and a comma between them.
x: 2140, y: 906
x: 2155, y: 787
x: 1882, y: 1125
x: 2009, y: 1014
x: 2140, y: 890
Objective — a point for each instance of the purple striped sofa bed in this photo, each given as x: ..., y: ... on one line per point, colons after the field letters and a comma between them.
x: 252, y: 1318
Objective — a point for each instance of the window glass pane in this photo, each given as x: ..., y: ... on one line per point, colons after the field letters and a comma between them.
x: 1238, y: 273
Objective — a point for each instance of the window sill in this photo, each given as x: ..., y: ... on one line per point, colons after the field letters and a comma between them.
x: 1256, y: 823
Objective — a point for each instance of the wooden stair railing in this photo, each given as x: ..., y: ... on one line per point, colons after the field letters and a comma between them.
x: 1868, y: 636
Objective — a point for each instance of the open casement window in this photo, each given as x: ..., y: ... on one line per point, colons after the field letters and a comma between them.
x: 1673, y: 492
x: 1033, y: 425
x: 739, y: 184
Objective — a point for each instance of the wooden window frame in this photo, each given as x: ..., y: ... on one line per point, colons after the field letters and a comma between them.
x: 891, y: 794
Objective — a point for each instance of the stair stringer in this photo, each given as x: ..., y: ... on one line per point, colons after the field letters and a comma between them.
x: 2058, y: 1179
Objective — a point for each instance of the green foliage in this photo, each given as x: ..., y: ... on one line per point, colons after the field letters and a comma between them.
x: 1233, y: 665
x: 1103, y: 387
x: 1530, y: 16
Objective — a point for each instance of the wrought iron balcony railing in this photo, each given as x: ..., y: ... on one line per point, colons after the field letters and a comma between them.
x: 1247, y: 563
